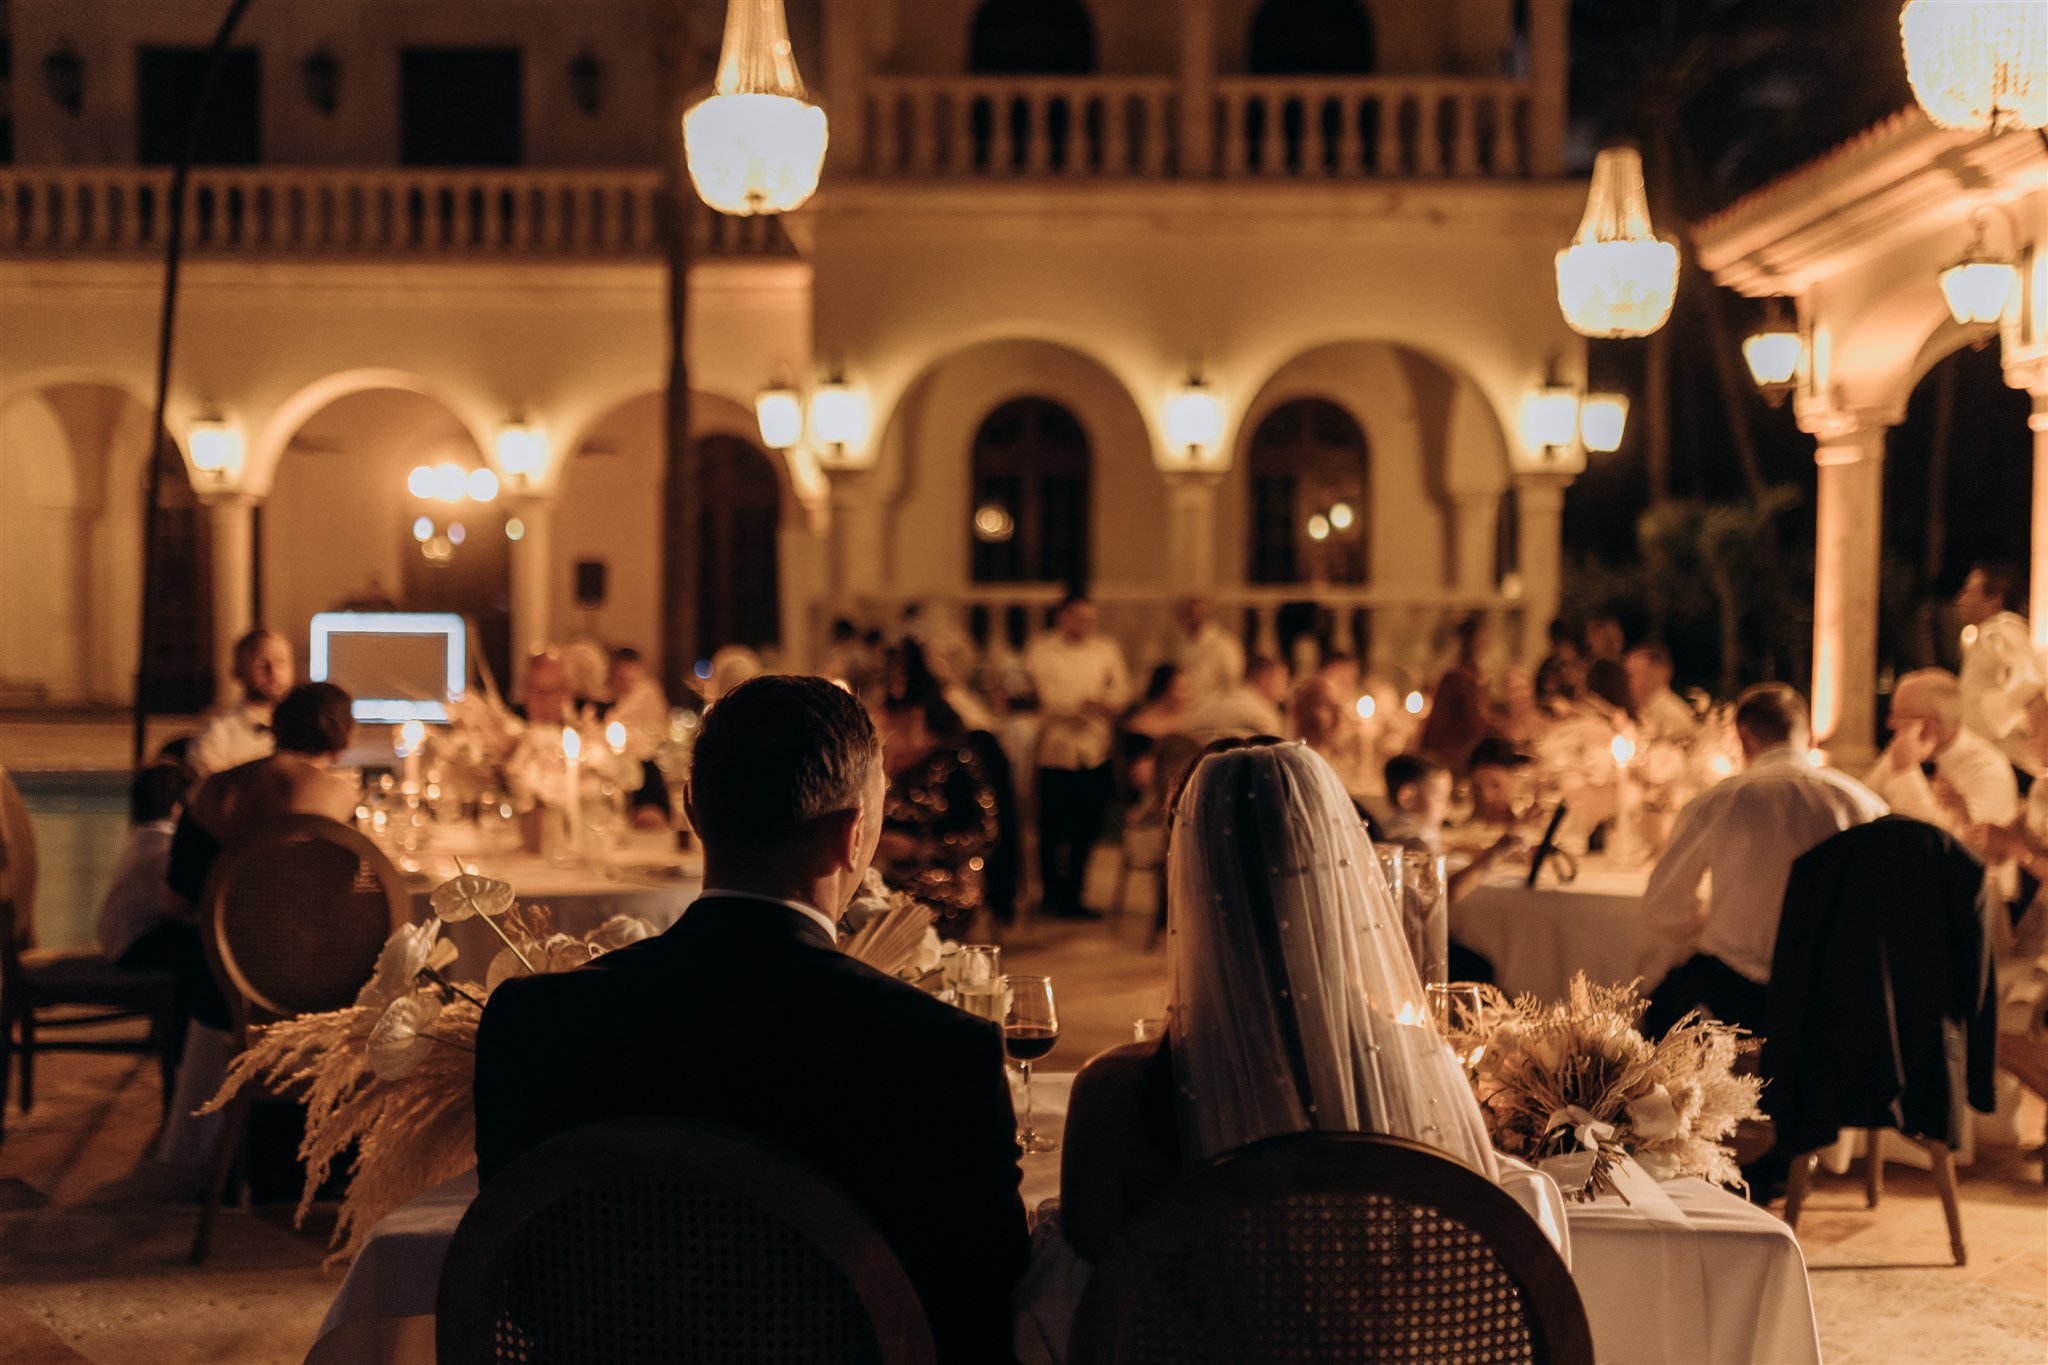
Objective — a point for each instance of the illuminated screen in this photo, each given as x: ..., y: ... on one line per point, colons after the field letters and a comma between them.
x: 398, y: 666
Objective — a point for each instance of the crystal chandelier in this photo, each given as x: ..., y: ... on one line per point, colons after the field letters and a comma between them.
x: 1617, y: 279
x: 756, y: 144
x: 1978, y: 63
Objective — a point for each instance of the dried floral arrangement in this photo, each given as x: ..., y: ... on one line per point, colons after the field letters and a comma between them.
x: 391, y: 1077
x: 1575, y: 1088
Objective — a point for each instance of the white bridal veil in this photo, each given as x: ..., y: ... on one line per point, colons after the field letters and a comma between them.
x: 1296, y: 1003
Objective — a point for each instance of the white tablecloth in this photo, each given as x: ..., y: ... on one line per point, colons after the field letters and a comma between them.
x: 1537, y: 939
x: 1683, y: 1272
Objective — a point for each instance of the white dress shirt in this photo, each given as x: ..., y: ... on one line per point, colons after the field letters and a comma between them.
x: 1981, y: 776
x: 1238, y: 713
x: 2000, y: 676
x: 1744, y: 834
x: 1665, y: 716
x: 231, y: 736
x: 810, y: 912
x: 138, y: 900
x: 1068, y: 675
x: 643, y: 710
x: 1212, y: 662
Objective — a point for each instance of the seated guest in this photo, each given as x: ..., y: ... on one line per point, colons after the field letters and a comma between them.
x: 1606, y: 675
x: 1460, y: 714
x: 313, y: 726
x: 545, y: 694
x: 641, y: 706
x: 1561, y: 676
x: 1244, y: 1060
x: 1661, y: 714
x: 143, y: 924
x: 1324, y: 723
x: 1743, y: 835
x: 1500, y: 785
x: 1419, y: 789
x: 1522, y: 719
x: 242, y: 731
x: 1251, y: 707
x: 939, y: 818
x: 746, y: 1015
x: 1164, y: 709
x: 1973, y: 783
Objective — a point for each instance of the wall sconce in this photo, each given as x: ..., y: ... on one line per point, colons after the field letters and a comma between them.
x: 1194, y: 419
x: 1978, y: 286
x: 522, y: 456
x: 64, y: 78
x: 586, y: 83
x: 320, y: 78
x: 1550, y: 419
x: 840, y: 417
x: 1772, y: 352
x: 215, y: 446
x: 779, y: 410
x: 1603, y: 417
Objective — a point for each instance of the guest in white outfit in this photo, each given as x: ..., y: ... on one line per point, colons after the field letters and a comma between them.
x: 2002, y: 678
x: 1083, y: 686
x: 1972, y: 784
x: 637, y: 702
x: 1248, y: 707
x: 238, y: 733
x: 1210, y: 659
x: 1661, y: 714
x: 1743, y: 835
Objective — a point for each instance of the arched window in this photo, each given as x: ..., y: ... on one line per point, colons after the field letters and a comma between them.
x: 1030, y: 495
x: 739, y: 596
x: 1311, y: 496
x: 1312, y: 37
x: 1032, y: 37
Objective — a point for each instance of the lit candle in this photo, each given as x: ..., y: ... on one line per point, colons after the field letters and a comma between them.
x: 615, y: 736
x: 412, y: 737
x: 572, y: 762
x: 1625, y: 823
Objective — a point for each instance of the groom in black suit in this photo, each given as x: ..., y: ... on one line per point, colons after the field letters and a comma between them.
x: 746, y: 1014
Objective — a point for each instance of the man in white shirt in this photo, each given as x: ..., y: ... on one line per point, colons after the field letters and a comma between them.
x: 1744, y: 834
x: 240, y: 733
x: 2002, y: 679
x: 1661, y: 714
x: 1247, y: 708
x: 1973, y: 783
x: 1209, y: 659
x: 1082, y: 685
x: 637, y: 702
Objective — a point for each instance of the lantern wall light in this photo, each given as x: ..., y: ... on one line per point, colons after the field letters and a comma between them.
x: 1194, y: 420
x: 522, y: 456
x: 1980, y: 285
x: 217, y: 452
x: 1617, y: 278
x: 1550, y: 419
x: 779, y: 411
x: 840, y: 418
x: 1773, y: 352
x: 1979, y: 64
x: 757, y: 143
x: 1603, y: 418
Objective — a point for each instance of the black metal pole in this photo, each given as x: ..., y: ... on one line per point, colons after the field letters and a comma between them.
x: 166, y: 328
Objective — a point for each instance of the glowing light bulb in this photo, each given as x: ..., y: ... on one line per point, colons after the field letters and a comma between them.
x: 423, y: 529
x: 420, y: 483
x: 615, y: 736
x: 1414, y: 704
x: 450, y: 483
x: 483, y: 485
x: 572, y: 744
x: 1319, y: 527
x: 515, y: 529
x: 1341, y: 516
x: 1623, y: 748
x: 411, y: 737
x: 1366, y: 707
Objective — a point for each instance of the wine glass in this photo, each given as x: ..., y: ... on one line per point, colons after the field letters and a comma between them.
x: 1031, y: 1025
x: 978, y: 981
x: 1454, y: 1006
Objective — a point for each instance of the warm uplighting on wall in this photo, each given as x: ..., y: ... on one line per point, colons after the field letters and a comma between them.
x: 1603, y: 418
x: 1194, y: 420
x: 1772, y: 352
x: 840, y: 417
x: 1550, y: 419
x: 1978, y: 63
x: 215, y: 445
x: 779, y: 411
x: 757, y: 144
x: 1617, y: 279
x: 1980, y: 285
x: 522, y: 455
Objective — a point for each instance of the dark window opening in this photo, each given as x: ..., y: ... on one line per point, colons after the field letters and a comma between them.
x: 167, y: 83
x: 1032, y: 37
x: 1311, y: 497
x: 1031, y: 495
x: 460, y: 106
x: 739, y: 595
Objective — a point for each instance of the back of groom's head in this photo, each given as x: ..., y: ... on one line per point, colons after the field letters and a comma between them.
x: 774, y: 756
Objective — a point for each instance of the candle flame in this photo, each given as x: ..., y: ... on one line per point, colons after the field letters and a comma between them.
x: 411, y: 736
x: 1408, y: 1014
x: 1623, y: 748
x: 1414, y: 703
x: 572, y: 745
x: 615, y: 735
x: 1366, y: 707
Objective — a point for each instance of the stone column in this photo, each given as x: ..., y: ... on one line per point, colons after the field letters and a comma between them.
x: 1475, y: 519
x: 1847, y: 539
x: 857, y: 555
x: 1190, y: 566
x: 1197, y: 88
x: 532, y: 581
x: 1539, y: 533
x: 234, y: 580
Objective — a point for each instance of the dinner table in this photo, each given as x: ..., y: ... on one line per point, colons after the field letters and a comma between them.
x: 1538, y: 937
x: 1677, y: 1271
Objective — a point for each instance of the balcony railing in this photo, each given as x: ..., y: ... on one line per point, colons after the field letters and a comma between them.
x: 1133, y: 127
x: 322, y: 212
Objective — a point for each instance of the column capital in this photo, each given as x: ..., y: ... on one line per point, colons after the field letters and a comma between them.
x: 227, y: 499
x: 1832, y: 424
x: 1541, y: 488
x: 2032, y: 377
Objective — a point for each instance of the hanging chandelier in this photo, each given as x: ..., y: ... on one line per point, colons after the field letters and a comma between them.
x: 1978, y: 63
x: 756, y: 144
x: 1617, y: 279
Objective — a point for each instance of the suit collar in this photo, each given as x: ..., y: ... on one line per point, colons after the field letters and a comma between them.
x: 764, y: 915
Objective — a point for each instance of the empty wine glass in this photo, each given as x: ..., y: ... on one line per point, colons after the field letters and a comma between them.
x: 1454, y: 1007
x: 1031, y: 1025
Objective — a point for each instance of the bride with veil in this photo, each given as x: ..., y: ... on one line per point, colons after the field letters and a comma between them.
x: 1294, y: 1007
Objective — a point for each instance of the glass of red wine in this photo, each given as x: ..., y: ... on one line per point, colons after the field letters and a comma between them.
x: 1031, y: 1025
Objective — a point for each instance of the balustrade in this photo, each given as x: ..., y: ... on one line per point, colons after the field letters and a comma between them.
x: 1104, y: 127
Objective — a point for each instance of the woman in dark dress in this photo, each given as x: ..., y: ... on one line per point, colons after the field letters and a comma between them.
x: 939, y: 819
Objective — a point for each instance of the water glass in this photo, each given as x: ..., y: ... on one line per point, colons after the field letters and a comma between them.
x: 978, y: 980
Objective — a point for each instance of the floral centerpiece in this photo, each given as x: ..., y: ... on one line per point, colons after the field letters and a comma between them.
x: 1575, y: 1088
x: 391, y: 1077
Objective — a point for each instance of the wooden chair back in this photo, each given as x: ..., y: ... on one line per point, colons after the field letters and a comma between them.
x: 19, y: 869
x: 658, y: 1240
x: 1332, y: 1248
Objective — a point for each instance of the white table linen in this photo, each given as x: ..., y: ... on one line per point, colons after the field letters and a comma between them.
x: 1683, y: 1272
x: 1536, y: 939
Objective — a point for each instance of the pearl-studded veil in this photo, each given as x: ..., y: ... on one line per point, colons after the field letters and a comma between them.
x: 1296, y: 1006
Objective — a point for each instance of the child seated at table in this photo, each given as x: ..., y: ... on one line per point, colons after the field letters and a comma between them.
x: 1419, y: 788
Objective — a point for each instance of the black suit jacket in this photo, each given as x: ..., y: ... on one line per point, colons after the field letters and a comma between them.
x: 745, y: 1014
x: 1883, y: 1004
